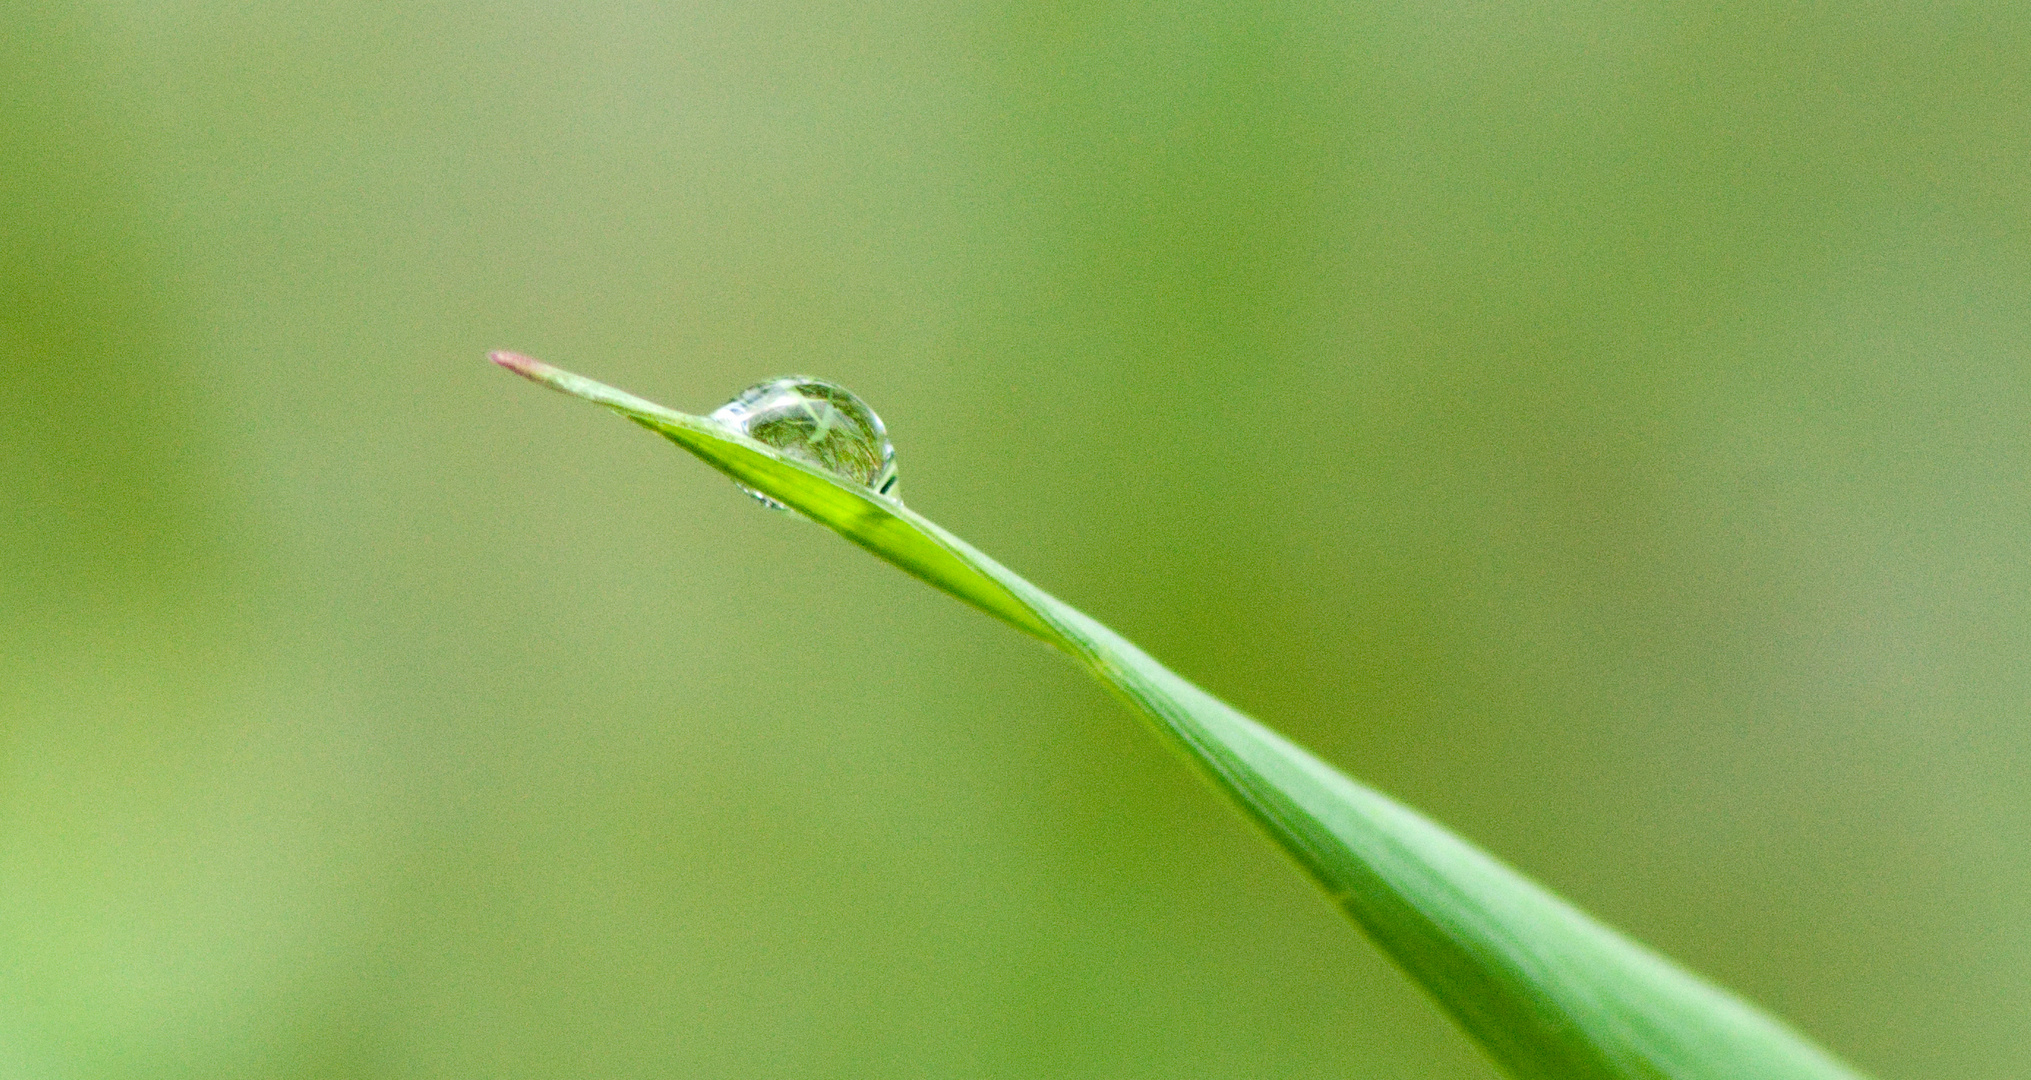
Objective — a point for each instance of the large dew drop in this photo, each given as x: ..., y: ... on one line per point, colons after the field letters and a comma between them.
x: 819, y: 423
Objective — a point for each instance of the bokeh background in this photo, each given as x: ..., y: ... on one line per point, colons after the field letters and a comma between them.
x: 1606, y: 427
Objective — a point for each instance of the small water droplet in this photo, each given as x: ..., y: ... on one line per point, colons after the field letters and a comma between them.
x: 818, y: 423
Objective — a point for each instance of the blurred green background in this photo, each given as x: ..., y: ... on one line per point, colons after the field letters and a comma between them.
x: 1602, y: 426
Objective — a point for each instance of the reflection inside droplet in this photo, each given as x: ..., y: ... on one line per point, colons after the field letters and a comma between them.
x: 819, y: 423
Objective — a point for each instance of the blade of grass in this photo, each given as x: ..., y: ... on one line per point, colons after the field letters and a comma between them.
x: 1549, y: 992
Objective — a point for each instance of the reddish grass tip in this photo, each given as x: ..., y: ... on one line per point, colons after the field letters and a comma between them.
x: 524, y: 366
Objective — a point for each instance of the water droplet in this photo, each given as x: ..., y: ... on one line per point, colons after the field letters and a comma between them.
x: 818, y: 423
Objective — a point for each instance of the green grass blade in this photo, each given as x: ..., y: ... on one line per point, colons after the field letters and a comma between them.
x: 1548, y: 991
